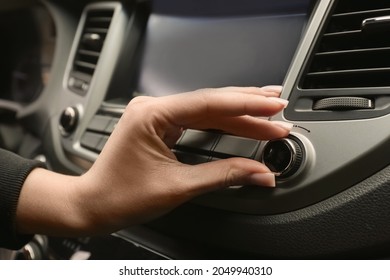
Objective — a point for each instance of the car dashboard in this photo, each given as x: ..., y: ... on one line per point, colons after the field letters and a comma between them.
x: 65, y: 88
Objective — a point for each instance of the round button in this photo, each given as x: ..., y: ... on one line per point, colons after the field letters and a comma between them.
x: 68, y: 120
x: 36, y: 249
x: 283, y: 156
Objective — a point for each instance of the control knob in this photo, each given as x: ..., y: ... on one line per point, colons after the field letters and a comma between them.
x: 68, y: 120
x: 284, y: 156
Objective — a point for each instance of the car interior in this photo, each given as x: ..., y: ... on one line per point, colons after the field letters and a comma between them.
x: 69, y: 68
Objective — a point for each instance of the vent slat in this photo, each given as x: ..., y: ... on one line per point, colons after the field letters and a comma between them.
x: 355, y: 59
x: 348, y: 6
x: 100, y: 19
x: 353, y: 21
x: 361, y: 13
x: 347, y: 56
x: 349, y: 78
x: 349, y: 72
x: 352, y: 51
x: 88, y: 52
x: 85, y: 64
x: 96, y: 30
x: 343, y: 33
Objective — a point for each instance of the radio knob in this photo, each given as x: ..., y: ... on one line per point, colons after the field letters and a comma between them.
x: 284, y: 156
x: 69, y: 120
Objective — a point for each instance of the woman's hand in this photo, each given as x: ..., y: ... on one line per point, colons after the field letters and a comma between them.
x: 137, y: 177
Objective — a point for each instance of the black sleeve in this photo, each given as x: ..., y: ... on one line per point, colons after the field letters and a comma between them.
x: 13, y: 172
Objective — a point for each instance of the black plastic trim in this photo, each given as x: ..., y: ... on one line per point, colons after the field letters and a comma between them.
x: 352, y: 224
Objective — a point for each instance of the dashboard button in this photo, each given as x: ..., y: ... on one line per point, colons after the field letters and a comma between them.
x: 102, y: 143
x: 91, y: 140
x: 111, y: 125
x: 190, y: 158
x: 196, y: 139
x: 78, y: 85
x: 237, y: 146
x: 99, y: 123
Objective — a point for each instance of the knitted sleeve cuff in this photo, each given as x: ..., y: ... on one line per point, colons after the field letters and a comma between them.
x: 13, y: 172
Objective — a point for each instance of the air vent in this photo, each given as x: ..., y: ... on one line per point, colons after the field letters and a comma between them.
x: 91, y: 42
x: 354, y: 50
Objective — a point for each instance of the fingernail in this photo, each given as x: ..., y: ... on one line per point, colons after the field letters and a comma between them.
x: 284, y: 102
x: 263, y: 179
x: 273, y: 88
x: 284, y: 125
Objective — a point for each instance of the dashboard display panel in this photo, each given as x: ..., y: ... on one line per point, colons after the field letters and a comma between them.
x: 190, y: 46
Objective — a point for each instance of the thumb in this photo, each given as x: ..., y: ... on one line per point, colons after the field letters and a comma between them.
x: 227, y: 172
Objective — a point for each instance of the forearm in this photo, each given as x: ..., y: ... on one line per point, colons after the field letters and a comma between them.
x: 48, y: 204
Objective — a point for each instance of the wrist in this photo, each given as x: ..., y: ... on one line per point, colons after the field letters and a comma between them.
x: 50, y: 206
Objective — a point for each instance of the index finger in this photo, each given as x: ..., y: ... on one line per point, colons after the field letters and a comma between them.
x: 187, y: 108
